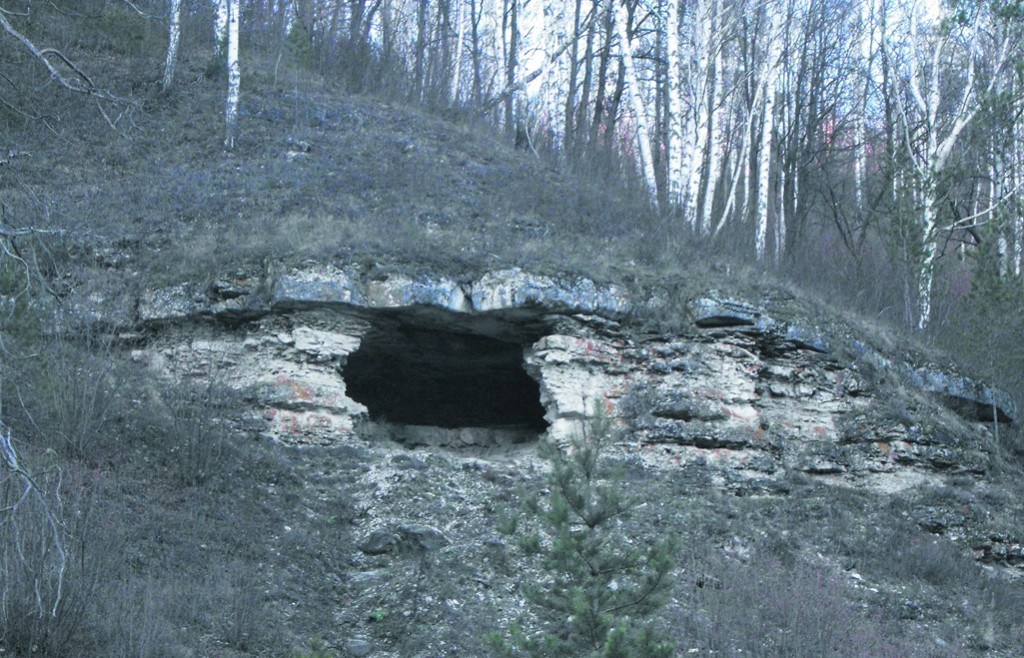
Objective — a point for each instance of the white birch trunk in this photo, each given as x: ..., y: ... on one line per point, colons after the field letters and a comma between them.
x: 931, y: 153
x: 996, y: 174
x: 716, y: 94
x: 767, y: 129
x: 1018, y: 182
x: 220, y: 27
x: 926, y: 275
x: 695, y: 129
x: 460, y: 40
x: 173, y: 38
x: 562, y: 29
x: 636, y: 99
x: 674, y: 121
x: 551, y: 83
x: 780, y: 218
x: 234, y: 77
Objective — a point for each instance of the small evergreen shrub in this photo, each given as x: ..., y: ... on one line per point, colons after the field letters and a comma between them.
x: 600, y: 586
x: 299, y: 45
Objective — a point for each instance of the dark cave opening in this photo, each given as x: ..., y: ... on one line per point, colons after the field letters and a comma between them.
x: 415, y: 375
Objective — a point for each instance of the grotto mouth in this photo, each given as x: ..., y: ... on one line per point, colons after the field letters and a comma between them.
x: 445, y: 384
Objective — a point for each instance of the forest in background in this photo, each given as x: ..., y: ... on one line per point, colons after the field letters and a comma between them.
x: 869, y: 148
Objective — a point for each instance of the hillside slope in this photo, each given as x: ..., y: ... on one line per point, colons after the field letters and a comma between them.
x: 207, y: 517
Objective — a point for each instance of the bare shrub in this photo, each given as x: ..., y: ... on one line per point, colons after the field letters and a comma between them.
x: 70, y: 396
x: 767, y: 607
x: 246, y: 624
x: 52, y: 555
x: 194, y: 428
x: 936, y: 561
x: 138, y: 626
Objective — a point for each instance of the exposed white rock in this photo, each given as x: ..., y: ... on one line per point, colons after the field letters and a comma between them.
x: 316, y: 286
x: 323, y: 345
x: 401, y: 291
x: 747, y: 396
x: 514, y: 288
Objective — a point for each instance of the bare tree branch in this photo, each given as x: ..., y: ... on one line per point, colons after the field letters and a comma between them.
x: 973, y: 221
x: 522, y: 84
x: 138, y: 10
x: 80, y: 83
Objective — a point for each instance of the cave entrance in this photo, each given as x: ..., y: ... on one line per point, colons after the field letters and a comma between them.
x: 427, y: 385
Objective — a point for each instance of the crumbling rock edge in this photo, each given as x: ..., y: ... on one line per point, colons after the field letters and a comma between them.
x: 751, y: 397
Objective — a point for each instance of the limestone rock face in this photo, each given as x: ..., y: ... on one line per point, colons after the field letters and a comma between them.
x: 326, y: 354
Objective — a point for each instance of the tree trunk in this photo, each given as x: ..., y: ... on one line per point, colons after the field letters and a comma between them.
x: 582, y: 113
x: 475, y: 14
x: 926, y: 270
x: 673, y: 115
x: 443, y: 68
x: 695, y: 127
x: 611, y: 117
x: 460, y: 40
x: 716, y: 94
x: 569, y: 119
x: 421, y: 49
x: 511, y: 63
x: 234, y: 76
x: 636, y: 99
x: 600, y: 110
x: 220, y: 28
x: 173, y: 38
x: 774, y: 31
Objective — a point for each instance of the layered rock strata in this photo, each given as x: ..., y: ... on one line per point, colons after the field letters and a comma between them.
x: 326, y: 355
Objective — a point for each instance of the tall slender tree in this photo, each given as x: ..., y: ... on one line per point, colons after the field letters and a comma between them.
x: 643, y: 132
x: 173, y: 38
x: 234, y: 75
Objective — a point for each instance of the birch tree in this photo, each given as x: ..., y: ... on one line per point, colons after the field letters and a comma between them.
x: 773, y: 29
x: 699, y: 78
x: 714, y: 94
x: 234, y: 76
x: 221, y: 14
x: 674, y: 119
x: 573, y: 85
x: 643, y: 132
x: 510, y: 41
x: 459, y: 42
x: 939, y: 102
x: 173, y: 37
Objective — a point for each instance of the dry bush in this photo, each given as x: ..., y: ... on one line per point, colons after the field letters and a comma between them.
x: 138, y: 626
x: 246, y: 625
x: 55, y: 548
x: 193, y: 428
x: 78, y: 388
x: 161, y: 615
x: 767, y: 607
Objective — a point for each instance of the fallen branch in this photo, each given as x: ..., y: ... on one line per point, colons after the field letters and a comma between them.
x: 79, y: 83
